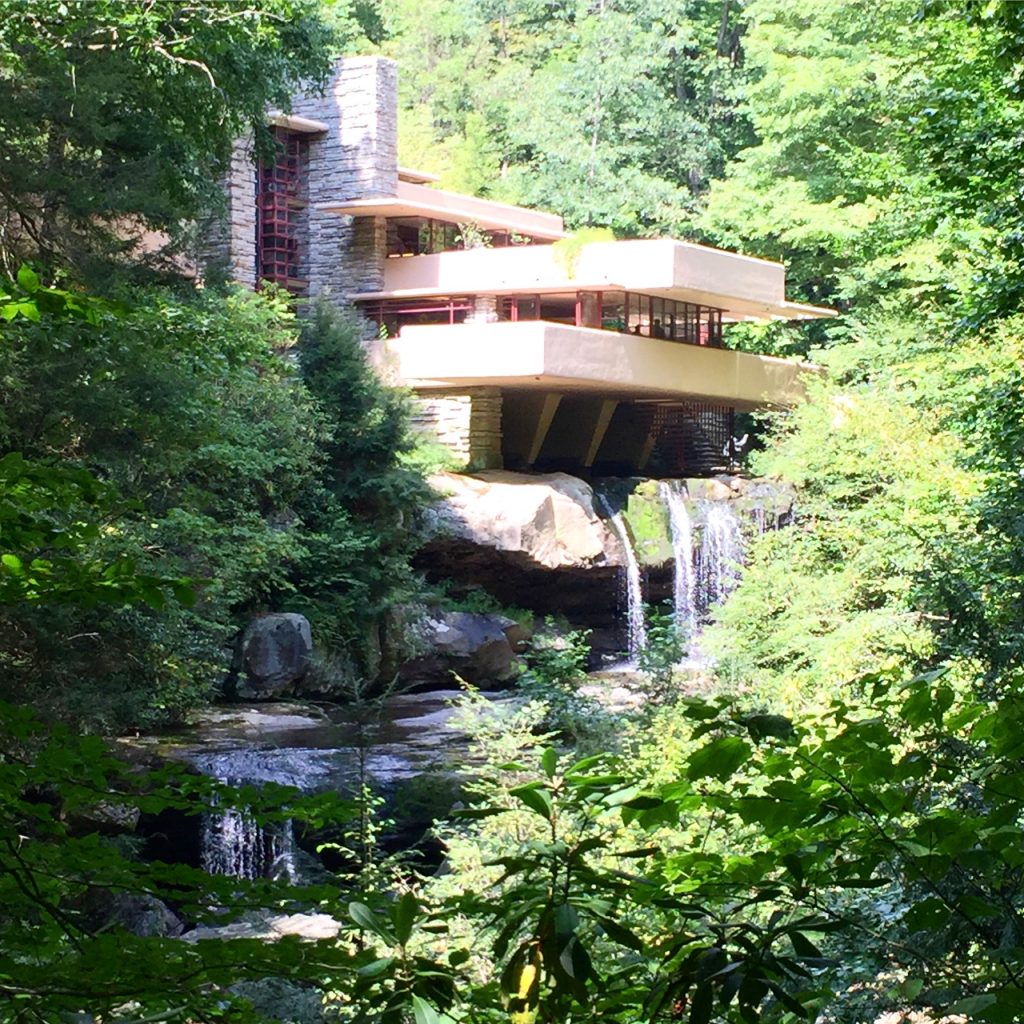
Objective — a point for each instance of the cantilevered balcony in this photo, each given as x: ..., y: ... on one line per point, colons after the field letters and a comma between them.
x: 742, y: 287
x: 536, y: 355
x: 607, y: 324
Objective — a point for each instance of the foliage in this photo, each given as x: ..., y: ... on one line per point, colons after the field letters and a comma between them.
x: 665, y: 649
x: 646, y: 95
x: 57, y: 512
x: 859, y: 856
x: 362, y: 528
x: 287, y: 487
x: 60, y: 880
x: 128, y: 393
x: 119, y: 117
x: 556, y: 662
x: 909, y: 785
x: 848, y: 587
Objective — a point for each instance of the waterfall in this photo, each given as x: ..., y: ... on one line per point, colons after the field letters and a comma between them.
x: 707, y: 548
x: 636, y: 628
x: 233, y: 844
x: 231, y: 841
x: 720, y: 555
x: 684, y: 589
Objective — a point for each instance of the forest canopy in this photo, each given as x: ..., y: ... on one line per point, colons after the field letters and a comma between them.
x: 830, y: 830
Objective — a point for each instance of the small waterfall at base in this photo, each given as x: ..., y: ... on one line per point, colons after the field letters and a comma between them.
x: 684, y: 589
x: 720, y: 555
x: 231, y: 841
x: 233, y: 844
x: 636, y: 628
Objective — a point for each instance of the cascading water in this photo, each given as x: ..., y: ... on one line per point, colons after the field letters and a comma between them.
x: 707, y: 547
x: 636, y: 627
x: 233, y: 844
x: 720, y: 555
x: 231, y: 841
x: 684, y: 589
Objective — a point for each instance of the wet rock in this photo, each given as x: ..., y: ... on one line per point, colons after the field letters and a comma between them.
x: 476, y: 647
x: 144, y: 915
x: 273, y: 655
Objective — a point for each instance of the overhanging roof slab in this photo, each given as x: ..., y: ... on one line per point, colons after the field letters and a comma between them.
x: 412, y: 199
x: 538, y: 355
x: 743, y: 287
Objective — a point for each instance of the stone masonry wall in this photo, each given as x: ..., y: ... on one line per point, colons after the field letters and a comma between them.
x: 466, y: 422
x: 228, y: 239
x: 356, y: 158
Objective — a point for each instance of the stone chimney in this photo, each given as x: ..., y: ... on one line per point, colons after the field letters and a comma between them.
x: 356, y: 158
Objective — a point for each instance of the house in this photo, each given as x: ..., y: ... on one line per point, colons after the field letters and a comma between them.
x: 523, y: 350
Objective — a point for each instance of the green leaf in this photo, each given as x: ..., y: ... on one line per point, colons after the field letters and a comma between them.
x: 549, y: 762
x: 12, y: 564
x: 471, y: 813
x: 538, y: 800
x: 718, y: 759
x: 369, y: 921
x: 566, y: 920
x: 804, y: 947
x: 972, y: 1004
x: 28, y: 279
x: 927, y: 915
x: 423, y: 1012
x: 404, y: 916
x: 702, y: 1004
x: 911, y: 988
x: 376, y: 968
x: 620, y: 934
x: 575, y: 960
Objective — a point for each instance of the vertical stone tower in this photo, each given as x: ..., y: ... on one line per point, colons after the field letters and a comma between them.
x: 355, y: 158
x: 344, y: 147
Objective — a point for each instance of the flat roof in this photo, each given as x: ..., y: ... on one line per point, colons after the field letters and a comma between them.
x: 743, y: 287
x: 415, y: 200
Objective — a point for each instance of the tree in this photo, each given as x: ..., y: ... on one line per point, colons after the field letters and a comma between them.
x: 645, y: 94
x: 118, y: 117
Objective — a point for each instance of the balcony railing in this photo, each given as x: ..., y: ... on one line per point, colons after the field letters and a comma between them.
x: 622, y: 312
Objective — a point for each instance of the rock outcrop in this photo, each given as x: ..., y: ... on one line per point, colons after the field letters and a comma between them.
x: 144, y: 915
x: 543, y: 543
x: 544, y: 522
x: 273, y: 655
x: 476, y: 647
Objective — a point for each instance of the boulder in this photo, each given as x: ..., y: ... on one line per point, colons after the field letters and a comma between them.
x: 144, y: 915
x: 477, y: 647
x: 108, y: 817
x: 546, y: 544
x: 270, y: 927
x: 545, y: 521
x: 273, y: 655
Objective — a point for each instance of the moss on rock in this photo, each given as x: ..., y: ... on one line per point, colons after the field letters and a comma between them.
x: 647, y: 520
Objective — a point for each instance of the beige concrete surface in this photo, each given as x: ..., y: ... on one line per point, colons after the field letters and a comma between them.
x: 744, y: 287
x: 538, y: 355
x: 412, y: 199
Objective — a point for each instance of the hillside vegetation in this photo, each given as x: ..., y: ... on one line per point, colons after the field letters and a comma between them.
x: 834, y: 833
